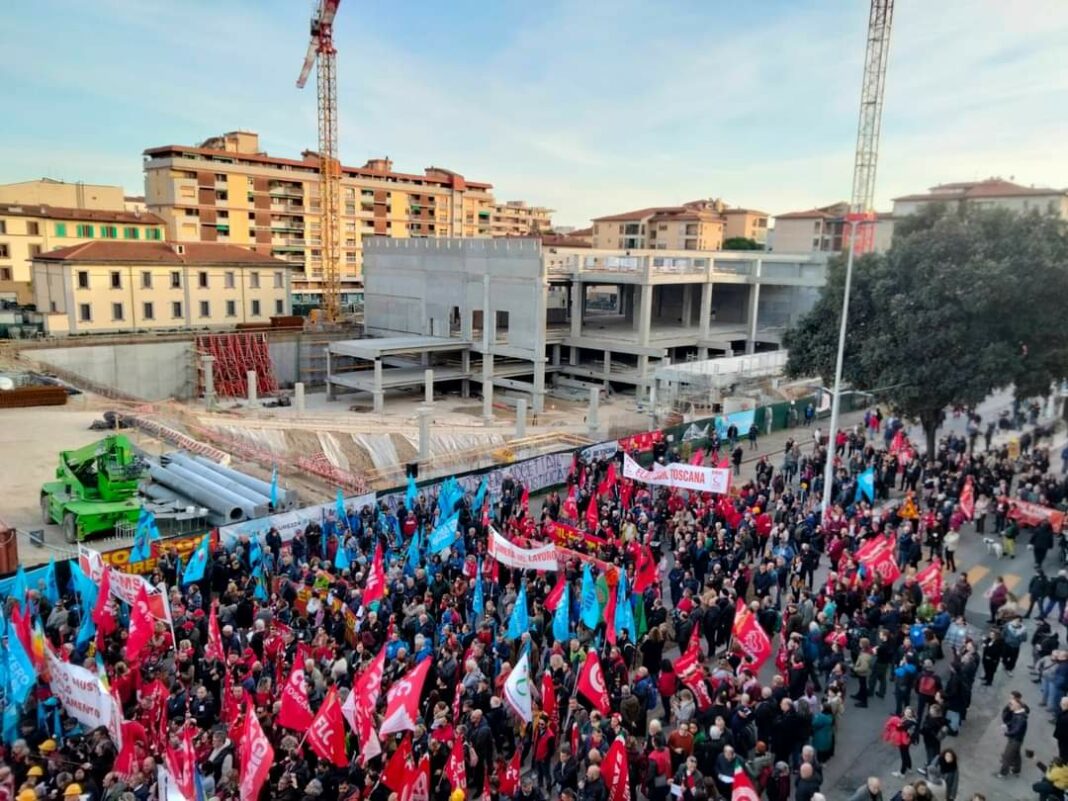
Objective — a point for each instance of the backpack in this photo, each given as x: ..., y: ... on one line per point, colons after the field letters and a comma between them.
x: 927, y: 685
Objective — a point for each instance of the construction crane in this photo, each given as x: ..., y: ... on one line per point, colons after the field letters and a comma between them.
x: 321, y: 48
x: 861, y: 205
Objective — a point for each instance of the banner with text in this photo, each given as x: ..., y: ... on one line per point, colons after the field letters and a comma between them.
x: 542, y: 557
x: 680, y: 476
x: 84, y: 697
x: 124, y: 586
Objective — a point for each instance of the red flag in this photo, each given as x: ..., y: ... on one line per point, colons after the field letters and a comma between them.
x: 327, y: 733
x: 724, y: 463
x: 296, y: 712
x: 549, y: 704
x: 610, y: 605
x: 417, y: 788
x: 646, y: 573
x: 402, y: 700
x: 524, y: 499
x: 626, y: 490
x: 395, y: 775
x: 485, y: 513
x: 609, y: 481
x: 570, y: 508
x: 742, y: 789
x: 182, y: 762
x: 882, y: 563
x: 615, y: 773
x: 375, y: 588
x: 455, y: 770
x: 592, y: 518
x: 591, y: 683
x: 142, y: 626
x: 102, y: 616
x: 753, y: 640
x: 510, y: 780
x: 930, y: 581
x: 214, y: 648
x: 257, y: 757
x: 698, y: 457
x: 967, y: 499
x: 557, y: 592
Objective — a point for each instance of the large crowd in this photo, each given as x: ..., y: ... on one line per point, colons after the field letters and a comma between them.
x: 691, y: 707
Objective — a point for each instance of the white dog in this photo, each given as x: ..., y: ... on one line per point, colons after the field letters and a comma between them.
x: 993, y: 546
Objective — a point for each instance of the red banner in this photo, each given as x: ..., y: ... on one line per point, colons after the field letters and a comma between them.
x: 930, y: 581
x: 569, y: 536
x: 1031, y: 514
x: 752, y: 639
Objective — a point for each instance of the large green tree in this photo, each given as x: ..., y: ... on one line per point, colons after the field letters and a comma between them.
x: 963, y: 303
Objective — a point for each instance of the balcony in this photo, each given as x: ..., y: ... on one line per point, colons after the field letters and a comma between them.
x: 292, y: 258
x: 288, y: 243
x: 282, y: 226
x: 285, y: 191
x: 288, y: 207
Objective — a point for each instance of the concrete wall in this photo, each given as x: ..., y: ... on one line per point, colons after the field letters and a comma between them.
x: 781, y: 306
x: 152, y: 370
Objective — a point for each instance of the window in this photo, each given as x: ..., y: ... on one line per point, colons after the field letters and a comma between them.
x: 148, y: 311
x: 176, y: 279
x: 83, y: 279
x: 85, y: 312
x: 116, y: 311
x: 33, y: 228
x: 131, y: 233
x: 5, y: 251
x: 109, y: 232
x: 5, y: 273
x: 205, y: 308
x: 255, y: 308
x: 228, y: 279
x: 35, y: 250
x: 154, y: 234
x: 279, y: 283
x: 231, y: 308
x: 176, y: 309
x: 146, y: 280
x: 202, y: 279
x: 116, y: 279
x: 3, y: 226
x: 279, y: 306
x: 61, y: 229
x: 254, y: 280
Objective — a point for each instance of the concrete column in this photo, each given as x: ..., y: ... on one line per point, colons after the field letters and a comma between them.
x: 378, y: 395
x: 706, y: 309
x: 465, y: 363
x: 329, y: 372
x: 572, y: 357
x: 424, y: 433
x: 208, y: 363
x: 637, y: 291
x: 253, y: 398
x: 520, y: 418
x: 643, y: 372
x: 539, y: 386
x: 298, y: 396
x: 556, y: 355
x: 687, y: 305
x: 428, y: 380
x: 487, y: 388
x: 751, y: 319
x: 591, y: 416
x: 607, y: 365
x: 578, y: 297
x: 645, y: 314
x: 702, y: 353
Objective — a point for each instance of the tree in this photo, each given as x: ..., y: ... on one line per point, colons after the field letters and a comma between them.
x: 963, y: 303
x: 741, y: 243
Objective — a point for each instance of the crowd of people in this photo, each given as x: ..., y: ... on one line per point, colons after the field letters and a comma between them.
x: 695, y: 710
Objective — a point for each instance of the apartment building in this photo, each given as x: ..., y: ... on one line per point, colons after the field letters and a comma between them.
x: 518, y: 218
x: 77, y: 195
x: 745, y: 224
x: 123, y: 287
x: 27, y: 231
x: 227, y: 190
x: 660, y: 228
x: 988, y: 194
x: 823, y: 230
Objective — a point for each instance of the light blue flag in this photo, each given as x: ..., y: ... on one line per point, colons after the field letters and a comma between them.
x: 342, y: 515
x: 444, y: 534
x: 478, y: 604
x: 11, y: 723
x: 342, y: 560
x: 411, y: 564
x: 480, y: 496
x: 411, y: 494
x: 866, y: 485
x: 20, y: 590
x: 562, y: 617
x: 274, y: 487
x: 260, y: 592
x: 21, y: 676
x: 519, y: 622
x: 590, y: 609
x: 198, y: 562
x: 624, y: 611
x: 51, y: 590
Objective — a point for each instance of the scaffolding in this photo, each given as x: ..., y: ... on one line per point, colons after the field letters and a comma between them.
x: 699, y: 387
x: 236, y: 355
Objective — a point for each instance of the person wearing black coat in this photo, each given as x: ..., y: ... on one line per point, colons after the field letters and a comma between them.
x: 784, y: 731
x: 566, y: 770
x: 1041, y: 542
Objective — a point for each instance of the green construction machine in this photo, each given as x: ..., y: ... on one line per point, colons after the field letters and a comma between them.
x: 96, y: 488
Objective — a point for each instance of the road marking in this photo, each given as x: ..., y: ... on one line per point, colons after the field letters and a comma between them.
x: 976, y: 574
x: 1011, y: 580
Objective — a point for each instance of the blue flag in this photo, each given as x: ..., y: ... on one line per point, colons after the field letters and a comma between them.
x: 414, y: 556
x: 624, y: 611
x: 444, y: 534
x: 562, y: 617
x: 51, y: 590
x: 342, y: 561
x: 590, y: 609
x: 411, y: 494
x: 21, y: 675
x: 20, y: 590
x: 519, y: 622
x: 260, y: 592
x: 11, y: 723
x: 339, y: 508
x: 198, y: 562
x: 866, y: 485
x: 87, y: 594
x: 478, y: 604
x: 480, y: 496
x: 274, y: 487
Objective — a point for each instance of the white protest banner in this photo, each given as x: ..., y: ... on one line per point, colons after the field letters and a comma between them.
x: 124, y: 586
x: 601, y: 450
x: 84, y: 697
x: 507, y: 553
x: 679, y: 475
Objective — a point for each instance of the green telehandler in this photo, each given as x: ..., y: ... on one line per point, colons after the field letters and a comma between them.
x: 96, y: 488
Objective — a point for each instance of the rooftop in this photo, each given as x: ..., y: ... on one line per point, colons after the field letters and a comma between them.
x: 199, y: 253
x: 638, y: 214
x: 86, y: 215
x: 989, y: 188
x: 823, y: 212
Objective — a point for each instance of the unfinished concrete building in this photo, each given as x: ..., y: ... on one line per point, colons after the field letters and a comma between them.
x: 507, y: 314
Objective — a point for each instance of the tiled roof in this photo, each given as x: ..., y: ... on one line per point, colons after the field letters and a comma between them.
x: 746, y: 211
x: 991, y: 188
x: 79, y: 215
x: 581, y: 232
x: 203, y: 253
x: 638, y: 214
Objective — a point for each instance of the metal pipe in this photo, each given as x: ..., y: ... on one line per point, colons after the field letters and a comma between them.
x: 250, y: 509
x: 195, y: 492
x: 214, y: 478
x: 262, y: 487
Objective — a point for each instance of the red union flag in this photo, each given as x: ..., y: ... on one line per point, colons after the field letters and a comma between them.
x: 570, y: 507
x: 375, y: 588
x: 142, y: 625
x: 615, y: 772
x: 395, y: 775
x: 327, y: 733
x: 418, y: 786
x: 742, y: 789
x: 881, y: 562
x: 402, y: 700
x: 296, y: 712
x: 930, y: 581
x: 455, y: 770
x: 967, y: 499
x: 750, y: 637
x: 591, y: 683
x: 257, y: 757
x: 510, y: 779
x: 214, y: 648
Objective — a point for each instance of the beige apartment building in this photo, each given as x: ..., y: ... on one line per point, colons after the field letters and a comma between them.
x: 660, y: 228
x: 123, y: 287
x: 824, y: 230
x: 227, y: 190
x: 28, y: 230
x: 518, y: 218
x: 746, y: 224
x: 988, y: 194
x: 77, y: 195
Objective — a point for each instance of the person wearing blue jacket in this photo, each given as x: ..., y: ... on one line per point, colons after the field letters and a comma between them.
x: 904, y: 678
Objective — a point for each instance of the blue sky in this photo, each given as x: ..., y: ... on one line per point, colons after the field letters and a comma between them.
x: 588, y: 107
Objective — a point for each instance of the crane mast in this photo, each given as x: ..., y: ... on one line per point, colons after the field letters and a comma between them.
x: 321, y: 50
